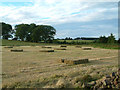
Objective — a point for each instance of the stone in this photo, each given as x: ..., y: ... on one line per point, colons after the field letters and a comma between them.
x: 104, y: 86
x: 115, y: 82
x: 113, y: 74
x: 108, y: 76
x: 119, y: 71
x: 112, y: 78
x: 85, y: 85
x: 117, y: 77
x: 79, y: 84
x: 109, y: 86
x: 118, y: 85
x: 61, y: 83
x: 95, y: 87
x: 99, y: 84
x: 106, y: 82
x: 113, y: 86
x: 92, y: 83
x: 118, y: 80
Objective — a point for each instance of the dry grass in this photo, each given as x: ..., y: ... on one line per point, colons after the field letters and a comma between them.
x: 32, y: 68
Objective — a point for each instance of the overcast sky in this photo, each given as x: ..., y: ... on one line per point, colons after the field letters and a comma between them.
x: 71, y: 18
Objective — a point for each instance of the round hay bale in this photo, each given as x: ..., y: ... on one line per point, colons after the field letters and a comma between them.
x: 59, y: 48
x: 17, y: 50
x: 8, y: 47
x: 46, y: 50
x: 63, y: 46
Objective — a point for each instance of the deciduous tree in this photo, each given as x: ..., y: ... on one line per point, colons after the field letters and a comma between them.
x: 6, y: 31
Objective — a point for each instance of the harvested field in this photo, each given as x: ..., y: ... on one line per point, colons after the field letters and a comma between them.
x: 34, y: 69
x: 16, y: 50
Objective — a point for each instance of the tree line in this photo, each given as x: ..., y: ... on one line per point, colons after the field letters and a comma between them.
x: 102, y: 39
x: 43, y: 33
x: 29, y: 32
x: 110, y: 39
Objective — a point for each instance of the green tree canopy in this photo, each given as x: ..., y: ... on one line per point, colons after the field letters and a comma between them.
x: 111, y: 39
x: 22, y: 31
x: 103, y: 39
x: 43, y: 33
x: 47, y: 33
x: 35, y: 33
x: 6, y: 30
x: 32, y: 26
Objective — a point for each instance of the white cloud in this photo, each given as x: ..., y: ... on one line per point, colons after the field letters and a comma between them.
x: 55, y: 12
x: 60, y: 12
x: 55, y: 0
x: 16, y: 0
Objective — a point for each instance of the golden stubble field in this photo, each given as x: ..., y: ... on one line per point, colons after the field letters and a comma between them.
x: 32, y: 68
